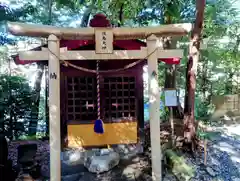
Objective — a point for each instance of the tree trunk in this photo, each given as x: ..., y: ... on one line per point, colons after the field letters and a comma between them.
x: 189, y: 118
x: 1, y: 122
x: 87, y: 13
x: 50, y: 5
x: 205, y: 80
x: 36, y: 99
x: 170, y: 81
x: 229, y: 83
x: 11, y: 135
x: 32, y: 130
x: 85, y: 17
x: 170, y: 72
x: 120, y: 17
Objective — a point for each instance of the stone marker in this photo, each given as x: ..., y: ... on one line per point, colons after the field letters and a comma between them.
x: 27, y: 162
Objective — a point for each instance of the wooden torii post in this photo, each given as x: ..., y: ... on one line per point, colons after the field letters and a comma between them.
x: 104, y: 51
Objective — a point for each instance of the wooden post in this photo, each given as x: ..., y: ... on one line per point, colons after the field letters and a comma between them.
x: 172, y: 125
x: 54, y: 108
x: 205, y: 151
x: 154, y: 106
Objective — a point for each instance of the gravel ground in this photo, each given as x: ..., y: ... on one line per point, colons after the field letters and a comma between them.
x: 223, y: 163
x: 223, y: 160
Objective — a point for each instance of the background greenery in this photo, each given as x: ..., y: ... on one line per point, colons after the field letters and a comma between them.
x: 22, y: 103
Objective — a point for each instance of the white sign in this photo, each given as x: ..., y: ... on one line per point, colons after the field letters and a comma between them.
x: 170, y: 97
x: 104, y: 40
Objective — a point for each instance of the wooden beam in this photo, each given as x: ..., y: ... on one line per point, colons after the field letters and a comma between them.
x: 33, y: 55
x: 91, y: 55
x: 22, y: 29
x: 119, y: 55
x: 154, y: 103
x: 54, y: 108
x: 144, y: 32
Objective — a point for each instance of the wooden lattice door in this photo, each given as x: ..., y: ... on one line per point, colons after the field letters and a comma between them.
x: 120, y: 97
x: 81, y: 99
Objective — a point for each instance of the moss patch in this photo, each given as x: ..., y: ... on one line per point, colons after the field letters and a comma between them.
x: 178, y: 166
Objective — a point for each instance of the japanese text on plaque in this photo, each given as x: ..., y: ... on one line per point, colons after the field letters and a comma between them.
x: 104, y: 40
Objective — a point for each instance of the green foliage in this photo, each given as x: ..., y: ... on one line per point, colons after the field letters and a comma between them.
x: 7, y: 13
x: 164, y: 112
x: 207, y: 135
x: 33, y: 137
x: 15, y: 99
x: 203, y: 110
x: 72, y: 4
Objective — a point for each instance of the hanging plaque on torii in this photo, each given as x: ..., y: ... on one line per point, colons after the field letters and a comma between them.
x: 104, y: 40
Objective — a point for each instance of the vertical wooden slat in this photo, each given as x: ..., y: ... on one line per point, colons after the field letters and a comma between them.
x: 129, y: 97
x: 86, y: 90
x: 63, y: 109
x: 73, y: 98
x: 140, y: 103
x: 80, y: 106
x: 154, y: 106
x: 54, y: 107
x: 110, y: 101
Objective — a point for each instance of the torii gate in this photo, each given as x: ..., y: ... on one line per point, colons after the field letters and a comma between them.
x: 104, y: 51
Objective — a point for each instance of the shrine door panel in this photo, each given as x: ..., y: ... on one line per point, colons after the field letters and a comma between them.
x: 120, y: 97
x: 81, y: 99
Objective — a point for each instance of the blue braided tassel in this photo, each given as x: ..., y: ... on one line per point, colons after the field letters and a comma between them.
x: 98, y: 126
